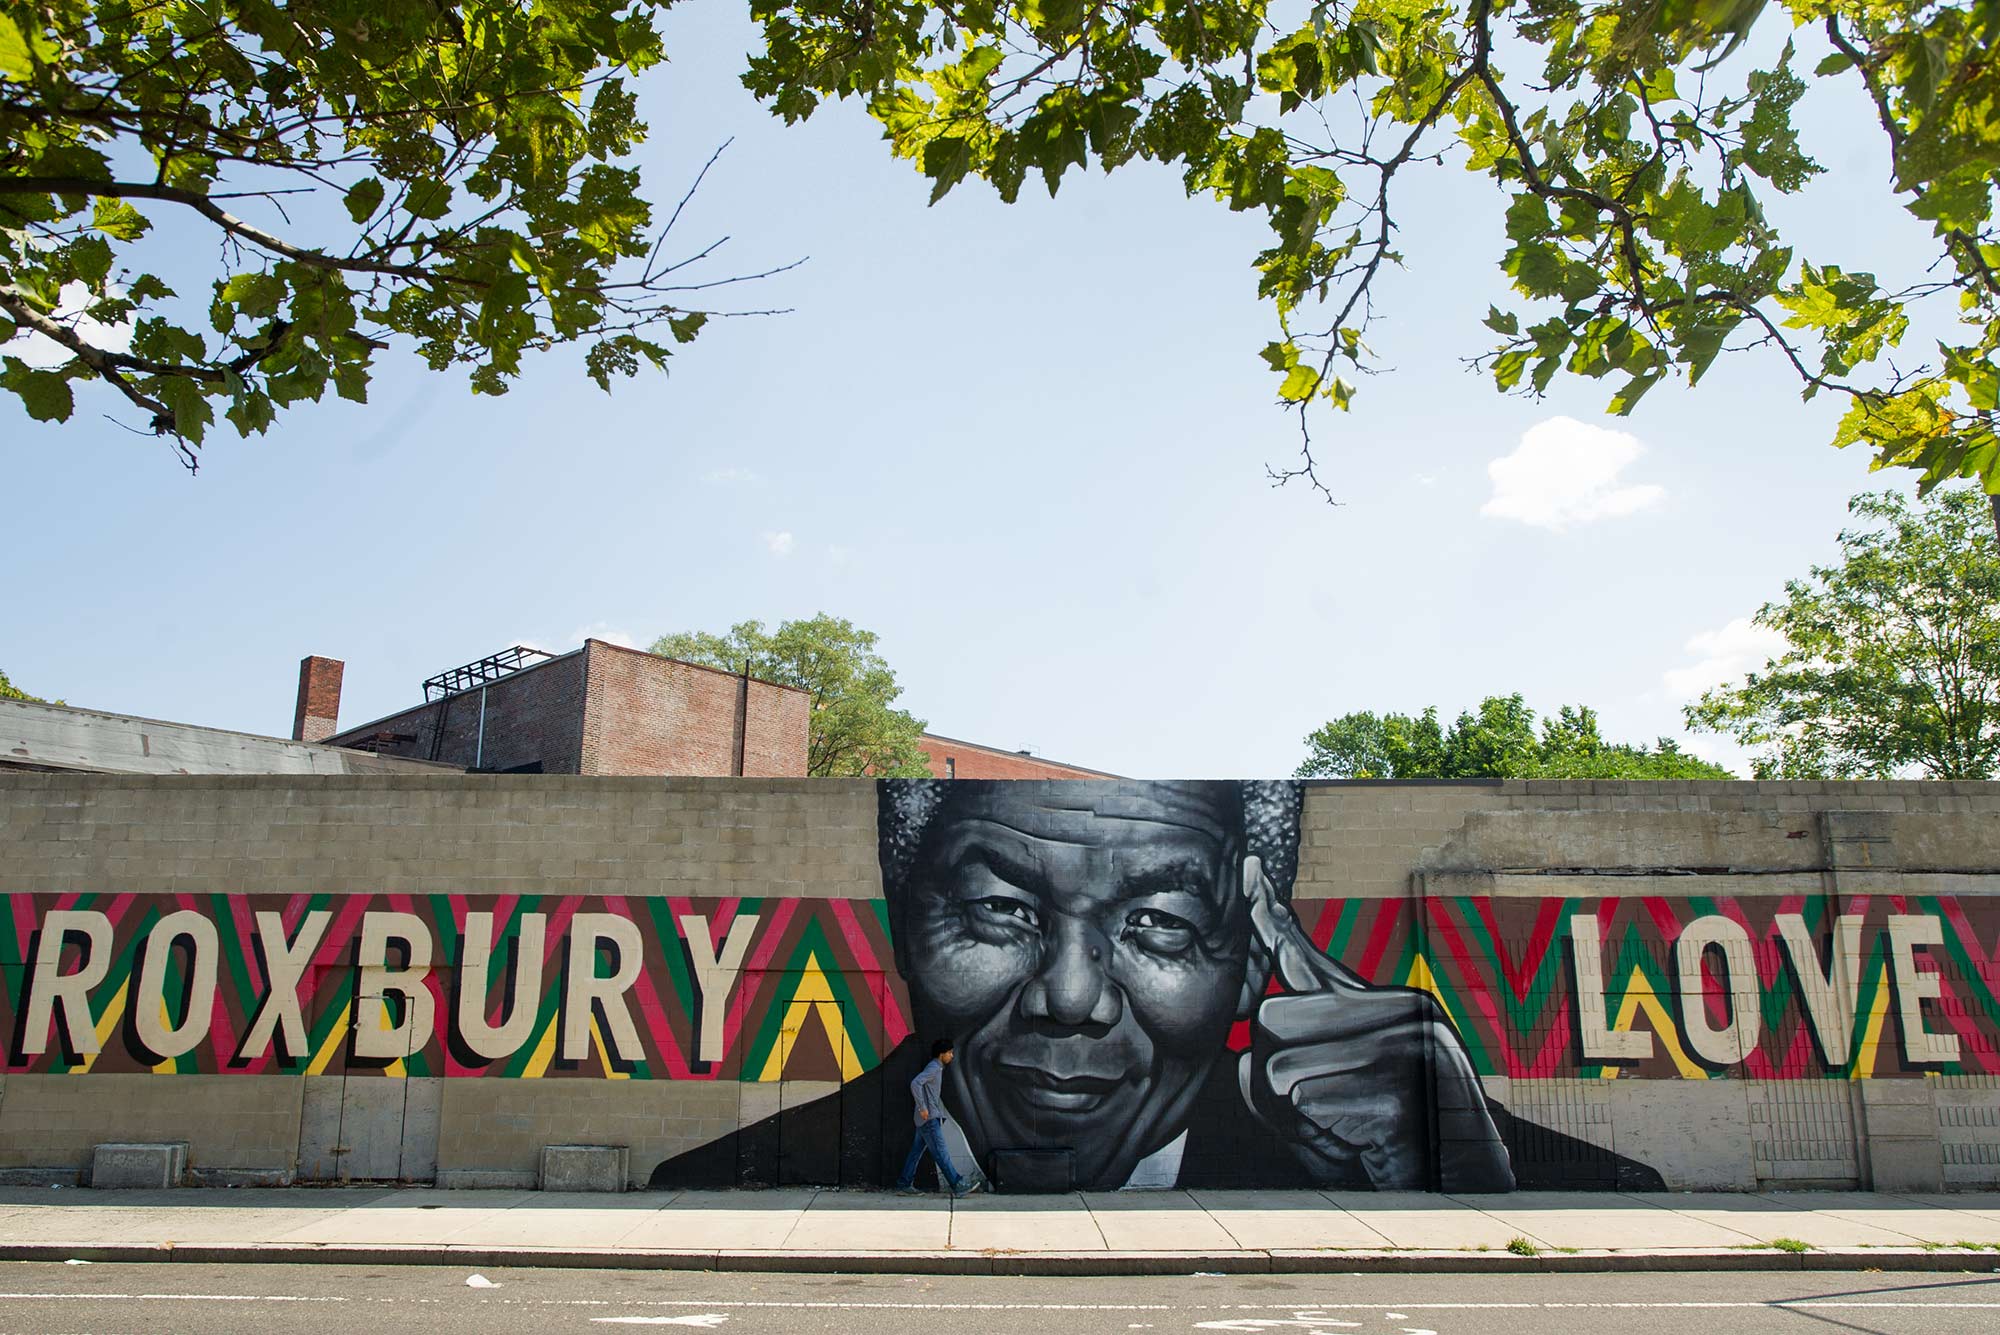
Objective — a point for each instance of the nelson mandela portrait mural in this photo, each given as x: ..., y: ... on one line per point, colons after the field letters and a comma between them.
x: 1089, y: 946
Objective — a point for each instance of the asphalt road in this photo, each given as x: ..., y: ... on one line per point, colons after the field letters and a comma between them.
x: 107, y: 1299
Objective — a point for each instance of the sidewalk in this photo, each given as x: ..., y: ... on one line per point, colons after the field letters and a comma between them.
x: 1160, y: 1232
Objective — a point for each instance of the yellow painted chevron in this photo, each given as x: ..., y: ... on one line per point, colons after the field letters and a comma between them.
x: 107, y: 1023
x: 1639, y: 996
x: 813, y: 996
x: 334, y: 1038
x: 604, y: 1052
x: 1871, y: 1035
x: 1423, y: 980
x: 545, y: 1049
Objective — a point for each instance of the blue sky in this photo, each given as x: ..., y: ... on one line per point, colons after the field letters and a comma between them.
x: 1025, y: 444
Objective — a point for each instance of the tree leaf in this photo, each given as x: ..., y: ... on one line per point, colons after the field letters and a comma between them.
x: 363, y: 198
x: 117, y: 218
x: 45, y: 394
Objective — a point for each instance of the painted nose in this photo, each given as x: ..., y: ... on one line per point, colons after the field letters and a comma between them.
x: 1074, y: 987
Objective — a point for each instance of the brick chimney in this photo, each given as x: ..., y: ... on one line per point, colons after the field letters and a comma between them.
x: 319, y: 699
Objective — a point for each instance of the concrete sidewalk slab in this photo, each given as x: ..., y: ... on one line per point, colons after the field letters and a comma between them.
x: 837, y: 1220
x: 725, y: 1220
x: 1163, y: 1232
x: 1025, y: 1224
x: 1419, y: 1219
x: 1762, y: 1220
x: 1286, y: 1219
x: 1600, y: 1220
x: 397, y: 1219
x: 1913, y: 1219
x: 1156, y: 1221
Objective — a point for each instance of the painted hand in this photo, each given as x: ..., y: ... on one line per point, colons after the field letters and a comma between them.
x: 1358, y: 1077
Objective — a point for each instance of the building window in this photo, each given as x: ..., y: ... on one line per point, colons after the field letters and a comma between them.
x: 950, y: 768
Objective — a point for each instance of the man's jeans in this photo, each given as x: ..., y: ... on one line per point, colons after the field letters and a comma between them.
x: 930, y: 1136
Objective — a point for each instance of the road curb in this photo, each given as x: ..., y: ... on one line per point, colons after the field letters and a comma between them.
x: 1041, y: 1264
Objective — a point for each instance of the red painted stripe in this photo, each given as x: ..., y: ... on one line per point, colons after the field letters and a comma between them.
x: 654, y: 1015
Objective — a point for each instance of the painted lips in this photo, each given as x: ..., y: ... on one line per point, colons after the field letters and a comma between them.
x: 1059, y: 1093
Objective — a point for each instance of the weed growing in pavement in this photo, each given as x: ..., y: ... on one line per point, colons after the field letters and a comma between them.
x: 1522, y: 1247
x: 1790, y: 1245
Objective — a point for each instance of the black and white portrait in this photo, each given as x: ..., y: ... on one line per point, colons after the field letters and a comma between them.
x: 1090, y: 947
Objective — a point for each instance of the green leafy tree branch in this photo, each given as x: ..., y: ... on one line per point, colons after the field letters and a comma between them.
x: 1633, y: 179
x: 448, y: 176
x: 9, y: 691
x: 1891, y: 663
x: 1499, y: 740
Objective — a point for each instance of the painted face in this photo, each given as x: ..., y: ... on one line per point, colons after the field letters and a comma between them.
x: 1086, y: 948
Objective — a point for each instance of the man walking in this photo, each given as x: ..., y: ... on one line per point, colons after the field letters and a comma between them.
x: 928, y: 1089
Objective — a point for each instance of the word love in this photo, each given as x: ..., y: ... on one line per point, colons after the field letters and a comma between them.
x: 396, y: 992
x: 1719, y: 947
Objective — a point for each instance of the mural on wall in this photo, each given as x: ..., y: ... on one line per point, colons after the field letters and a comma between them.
x: 448, y: 985
x: 1121, y: 965
x: 1091, y: 947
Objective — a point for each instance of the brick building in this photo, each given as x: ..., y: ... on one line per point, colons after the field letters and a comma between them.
x: 954, y: 759
x: 607, y: 709
x: 601, y: 709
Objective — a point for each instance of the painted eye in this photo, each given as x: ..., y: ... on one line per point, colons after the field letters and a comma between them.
x: 1159, y: 932
x: 1012, y: 911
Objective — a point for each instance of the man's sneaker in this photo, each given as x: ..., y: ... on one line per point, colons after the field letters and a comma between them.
x: 908, y: 1191
x: 977, y: 1184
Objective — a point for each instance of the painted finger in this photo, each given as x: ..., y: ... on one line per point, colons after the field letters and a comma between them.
x: 1288, y: 1068
x: 1297, y: 965
x: 1378, y: 1017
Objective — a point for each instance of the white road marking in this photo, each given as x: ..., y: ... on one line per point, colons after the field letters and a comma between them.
x: 708, y: 1320
x: 180, y: 1297
x: 1303, y: 1321
x: 1801, y: 1304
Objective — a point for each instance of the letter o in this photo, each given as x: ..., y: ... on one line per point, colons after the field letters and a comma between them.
x: 1738, y: 1038
x: 150, y: 1001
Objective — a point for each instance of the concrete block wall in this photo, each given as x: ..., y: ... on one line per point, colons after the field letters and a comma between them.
x: 1394, y: 865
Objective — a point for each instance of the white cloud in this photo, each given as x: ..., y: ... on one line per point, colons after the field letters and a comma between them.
x: 1566, y: 472
x: 733, y: 477
x: 780, y: 543
x: 1722, y: 656
x: 42, y: 352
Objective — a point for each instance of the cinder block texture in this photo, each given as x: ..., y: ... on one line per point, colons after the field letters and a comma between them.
x: 585, y: 1167
x: 500, y: 1126
x: 138, y: 1167
x: 484, y: 834
x: 227, y: 1122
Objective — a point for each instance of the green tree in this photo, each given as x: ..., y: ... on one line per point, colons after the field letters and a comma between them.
x: 1892, y: 657
x: 1633, y: 172
x: 1498, y: 741
x: 855, y: 729
x: 9, y: 691
x: 446, y: 176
